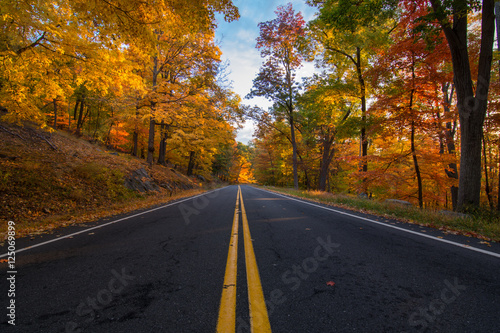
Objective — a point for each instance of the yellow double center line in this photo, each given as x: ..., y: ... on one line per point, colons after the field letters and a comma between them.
x: 259, y: 319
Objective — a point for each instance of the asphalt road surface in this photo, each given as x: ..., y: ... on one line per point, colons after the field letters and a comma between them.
x: 232, y: 260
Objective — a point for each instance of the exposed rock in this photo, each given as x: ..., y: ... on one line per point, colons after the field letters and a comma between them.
x: 140, y: 181
x: 453, y: 214
x: 399, y: 202
x: 363, y: 196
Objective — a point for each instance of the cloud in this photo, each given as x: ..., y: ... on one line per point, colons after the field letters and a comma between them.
x: 245, y: 134
x: 237, y: 43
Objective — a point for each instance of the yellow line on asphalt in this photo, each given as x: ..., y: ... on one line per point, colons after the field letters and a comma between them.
x: 227, y: 311
x: 259, y: 319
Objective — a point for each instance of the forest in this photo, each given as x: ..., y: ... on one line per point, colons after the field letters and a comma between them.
x: 404, y: 103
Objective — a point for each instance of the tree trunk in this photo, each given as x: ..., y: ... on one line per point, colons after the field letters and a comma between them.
x: 151, y: 140
x: 75, y: 111
x: 191, y: 163
x: 94, y: 135
x: 79, y: 124
x: 497, y: 16
x: 152, y: 121
x: 135, y: 140
x: 364, y: 140
x: 471, y: 108
x: 487, y: 188
x: 417, y: 168
x: 294, y: 153
x: 163, y: 143
x: 306, y: 175
x: 449, y: 135
x: 498, y: 195
x: 108, y: 138
x: 55, y: 113
x: 326, y: 159
x: 412, y: 139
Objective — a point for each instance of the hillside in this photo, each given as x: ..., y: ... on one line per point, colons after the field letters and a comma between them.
x: 55, y: 179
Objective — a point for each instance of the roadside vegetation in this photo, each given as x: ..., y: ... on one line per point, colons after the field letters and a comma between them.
x: 484, y: 224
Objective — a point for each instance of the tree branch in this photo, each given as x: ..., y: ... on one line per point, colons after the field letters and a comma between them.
x: 32, y: 45
x: 14, y: 134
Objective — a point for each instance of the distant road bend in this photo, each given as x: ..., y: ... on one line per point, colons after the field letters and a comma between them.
x: 243, y: 259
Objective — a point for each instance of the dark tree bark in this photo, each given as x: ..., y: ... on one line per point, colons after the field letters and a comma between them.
x: 152, y: 121
x: 108, y: 137
x: 162, y: 153
x: 412, y: 139
x: 448, y: 134
x: 306, y: 174
x: 487, y: 188
x: 417, y: 168
x: 55, y: 113
x: 79, y: 124
x: 497, y: 16
x: 294, y: 152
x: 191, y: 163
x: 75, y: 111
x: 97, y: 125
x: 364, y: 139
x: 471, y: 106
x: 151, y: 140
x: 498, y: 195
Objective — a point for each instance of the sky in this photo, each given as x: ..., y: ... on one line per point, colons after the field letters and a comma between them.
x: 237, y: 42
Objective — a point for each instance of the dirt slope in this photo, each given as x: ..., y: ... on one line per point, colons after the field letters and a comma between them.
x: 52, y: 179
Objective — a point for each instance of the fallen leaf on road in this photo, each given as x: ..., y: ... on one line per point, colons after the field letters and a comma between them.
x: 3, y: 260
x: 330, y: 283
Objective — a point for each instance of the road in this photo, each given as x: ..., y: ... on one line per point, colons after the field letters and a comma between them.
x: 195, y: 265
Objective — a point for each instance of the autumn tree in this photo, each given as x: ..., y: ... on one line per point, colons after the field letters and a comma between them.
x: 472, y: 97
x: 278, y: 43
x: 50, y: 47
x: 410, y: 93
x: 346, y: 33
x: 271, y: 154
x: 183, y: 66
x: 325, y: 109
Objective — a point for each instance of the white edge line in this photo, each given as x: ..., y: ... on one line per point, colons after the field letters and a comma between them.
x: 468, y: 247
x: 109, y: 223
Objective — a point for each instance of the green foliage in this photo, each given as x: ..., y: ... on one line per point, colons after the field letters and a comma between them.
x: 351, y: 15
x: 27, y: 179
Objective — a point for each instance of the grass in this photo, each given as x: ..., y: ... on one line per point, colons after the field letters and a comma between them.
x: 483, y: 224
x: 49, y: 223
